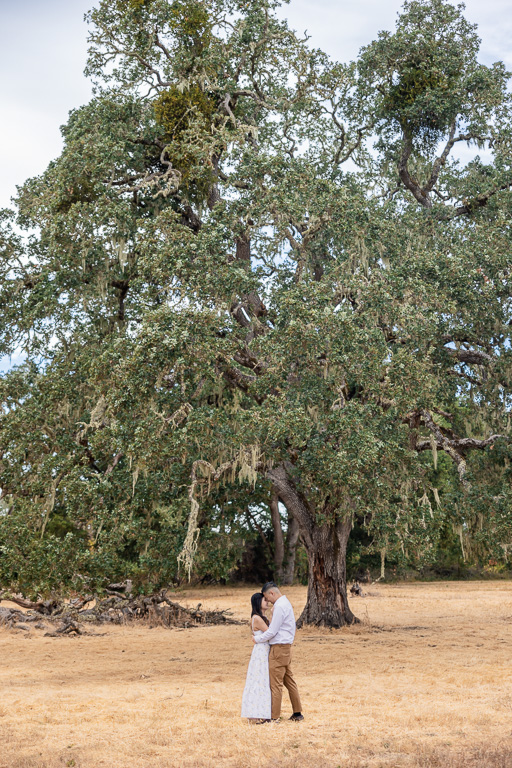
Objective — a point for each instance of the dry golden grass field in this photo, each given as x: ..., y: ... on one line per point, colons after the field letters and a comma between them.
x: 424, y: 681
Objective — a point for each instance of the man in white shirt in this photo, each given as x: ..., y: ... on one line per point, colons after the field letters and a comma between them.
x: 280, y: 635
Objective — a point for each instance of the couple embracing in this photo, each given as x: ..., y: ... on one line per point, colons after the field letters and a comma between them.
x: 270, y: 664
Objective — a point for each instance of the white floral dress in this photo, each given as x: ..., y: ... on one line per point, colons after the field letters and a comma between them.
x: 256, y: 700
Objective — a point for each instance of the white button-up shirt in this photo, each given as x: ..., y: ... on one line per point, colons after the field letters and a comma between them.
x: 282, y: 627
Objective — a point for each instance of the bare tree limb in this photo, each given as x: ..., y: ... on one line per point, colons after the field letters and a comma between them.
x: 470, y: 356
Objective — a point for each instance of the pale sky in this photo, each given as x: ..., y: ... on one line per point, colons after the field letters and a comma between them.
x: 44, y: 44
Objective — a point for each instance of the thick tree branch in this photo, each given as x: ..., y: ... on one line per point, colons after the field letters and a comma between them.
x: 479, y: 201
x: 293, y: 499
x: 440, y: 161
x: 403, y: 171
x: 470, y: 356
x: 455, y: 447
x: 114, y: 464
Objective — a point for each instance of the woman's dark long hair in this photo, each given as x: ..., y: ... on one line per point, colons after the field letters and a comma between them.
x: 256, y: 607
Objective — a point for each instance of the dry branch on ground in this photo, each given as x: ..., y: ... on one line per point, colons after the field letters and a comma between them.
x: 72, y: 614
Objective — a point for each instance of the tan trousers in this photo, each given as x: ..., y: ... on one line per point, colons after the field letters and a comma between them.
x: 280, y: 669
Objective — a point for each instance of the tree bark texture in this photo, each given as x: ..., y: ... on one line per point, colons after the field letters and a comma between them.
x: 326, y: 547
x: 327, y: 603
x: 292, y: 539
x: 278, y: 538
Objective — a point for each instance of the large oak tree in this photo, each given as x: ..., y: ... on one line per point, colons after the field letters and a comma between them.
x: 260, y: 274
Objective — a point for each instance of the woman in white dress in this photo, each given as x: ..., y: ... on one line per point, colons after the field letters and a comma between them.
x: 256, y: 700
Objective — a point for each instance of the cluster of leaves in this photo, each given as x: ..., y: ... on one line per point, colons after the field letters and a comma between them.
x: 418, y: 82
x: 427, y: 76
x: 186, y: 116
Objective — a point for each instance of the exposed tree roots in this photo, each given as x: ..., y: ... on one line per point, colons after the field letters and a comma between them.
x: 72, y: 615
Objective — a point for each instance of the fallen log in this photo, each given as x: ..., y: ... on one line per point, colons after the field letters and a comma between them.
x: 45, y: 607
x: 38, y: 606
x: 9, y: 617
x: 68, y: 628
x: 156, y: 609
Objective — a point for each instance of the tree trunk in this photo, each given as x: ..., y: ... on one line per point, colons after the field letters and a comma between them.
x: 292, y: 539
x: 326, y: 547
x: 327, y: 604
x: 278, y: 538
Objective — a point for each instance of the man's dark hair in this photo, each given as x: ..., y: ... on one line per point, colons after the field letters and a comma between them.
x: 267, y: 586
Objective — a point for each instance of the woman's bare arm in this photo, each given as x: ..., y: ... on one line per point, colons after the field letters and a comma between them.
x: 258, y: 623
